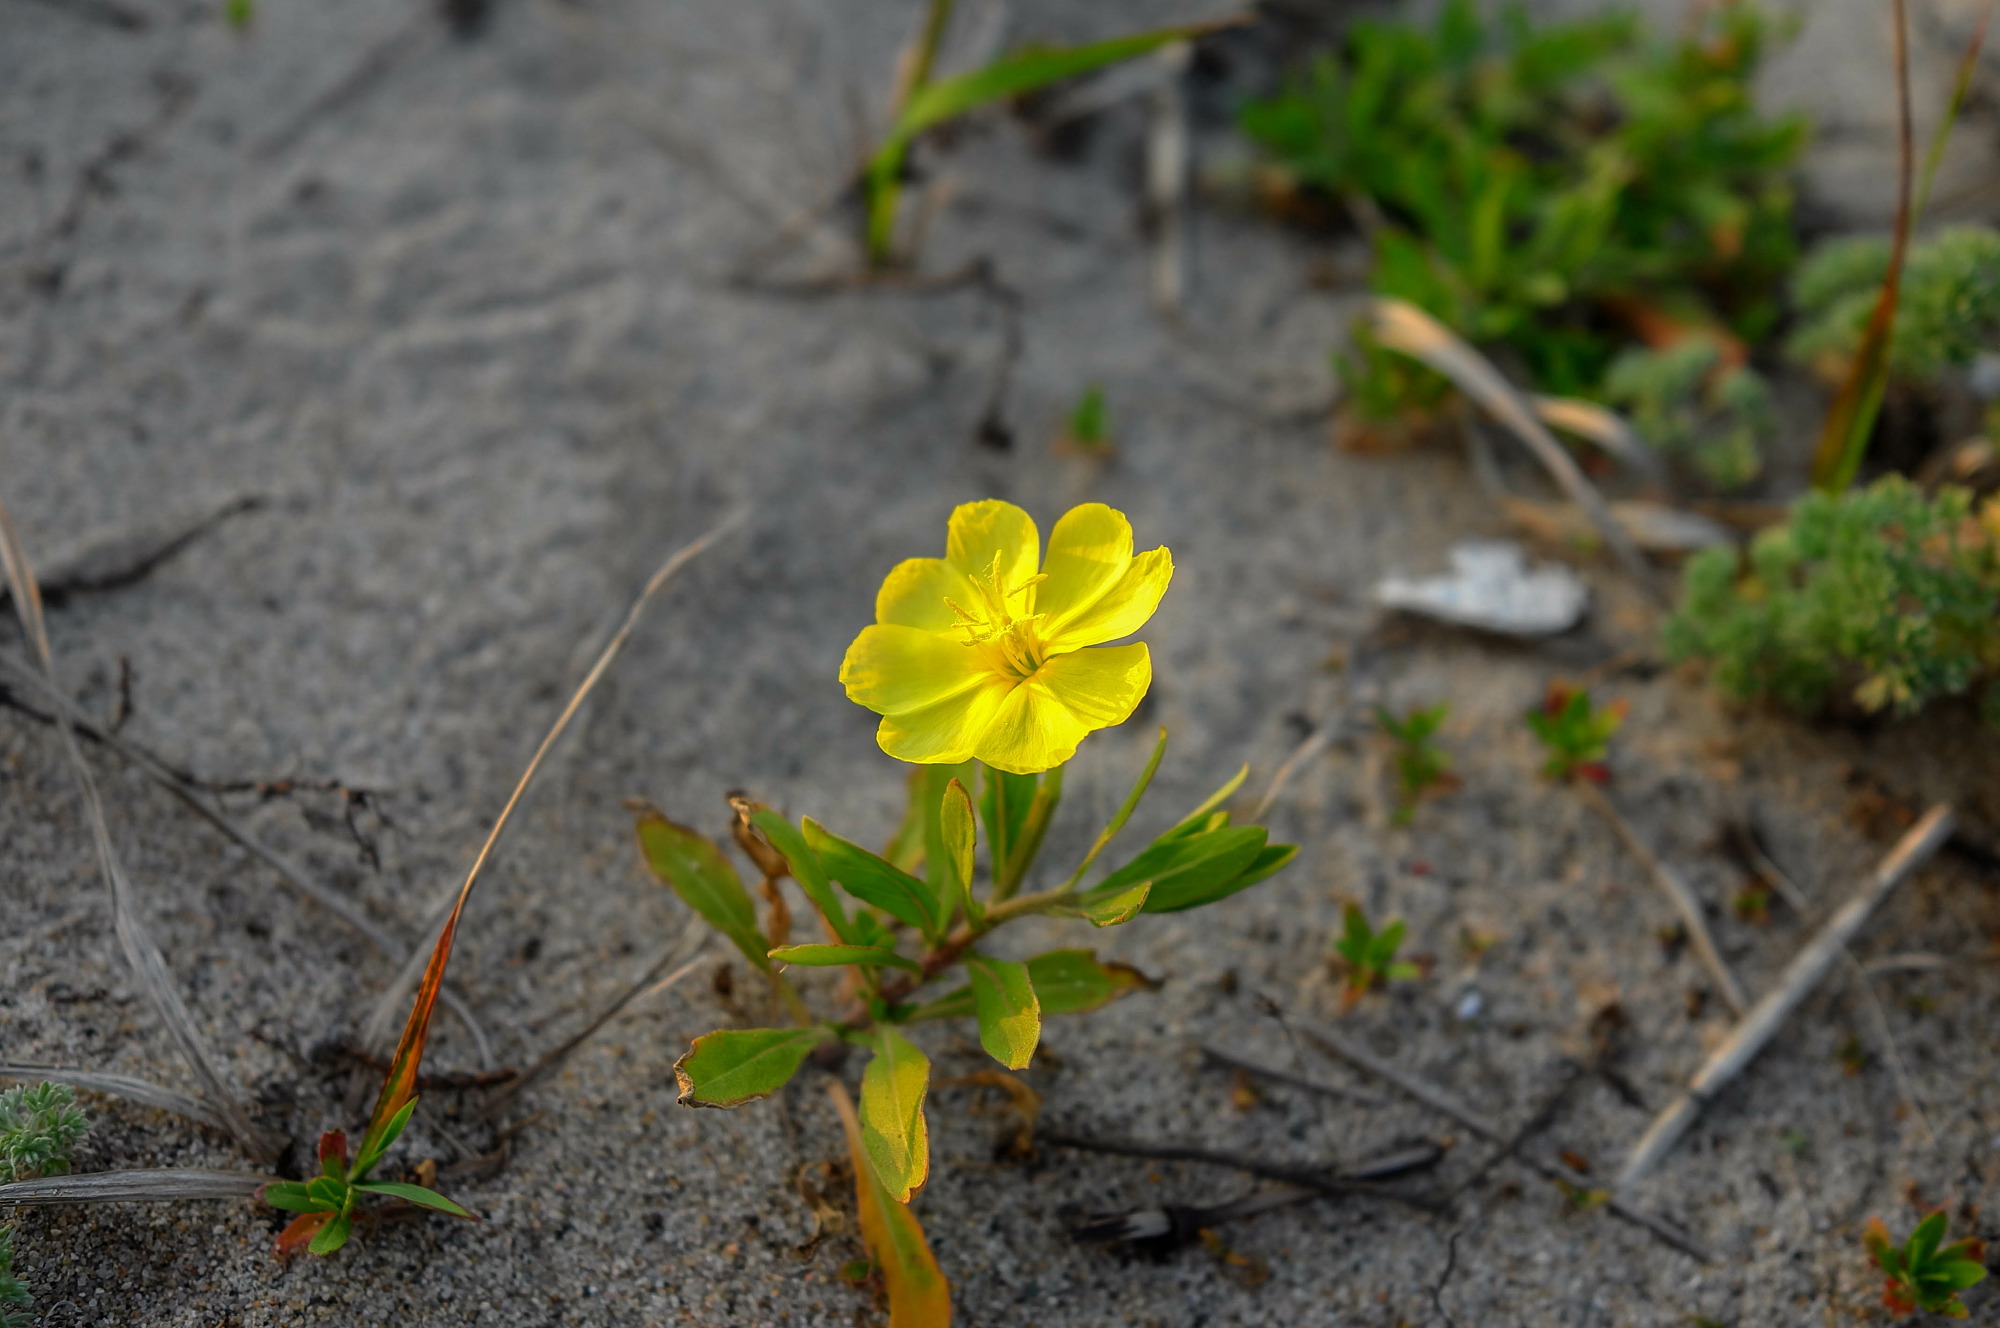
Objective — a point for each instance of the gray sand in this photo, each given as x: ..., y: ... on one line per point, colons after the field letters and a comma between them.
x: 468, y: 330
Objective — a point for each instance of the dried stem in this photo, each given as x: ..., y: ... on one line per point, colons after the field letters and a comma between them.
x: 1800, y: 978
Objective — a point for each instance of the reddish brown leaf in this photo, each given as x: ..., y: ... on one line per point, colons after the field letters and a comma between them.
x: 300, y: 1231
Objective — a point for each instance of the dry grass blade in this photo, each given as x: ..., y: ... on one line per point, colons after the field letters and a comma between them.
x: 1401, y: 326
x: 162, y: 1185
x: 1445, y: 1104
x: 140, y: 949
x: 1604, y: 427
x: 1800, y: 979
x: 399, y: 1085
x: 687, y: 949
x: 1851, y: 418
x: 195, y: 801
x: 145, y: 1093
x: 1678, y: 893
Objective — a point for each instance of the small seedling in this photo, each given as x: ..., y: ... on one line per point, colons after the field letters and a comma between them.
x: 1421, y: 766
x: 1752, y: 904
x: 40, y: 1125
x: 325, y: 1204
x: 239, y: 14
x: 14, y: 1296
x: 1921, y: 1275
x: 1368, y: 957
x: 1575, y: 733
x: 1087, y: 431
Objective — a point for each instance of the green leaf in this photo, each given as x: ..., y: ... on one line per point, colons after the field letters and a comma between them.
x: 1925, y: 1239
x: 415, y: 1194
x: 927, y: 786
x: 373, y: 1147
x: 737, y: 1065
x: 876, y: 881
x: 332, y: 1236
x: 1004, y: 800
x: 919, y: 1296
x: 892, y: 1113
x: 292, y: 1197
x: 1108, y: 908
x: 957, y: 833
x: 1010, y: 1018
x: 1024, y: 71
x: 1195, y: 818
x: 696, y: 870
x: 1958, y: 1274
x: 806, y: 868
x: 1125, y: 810
x: 956, y: 1004
x: 1074, y: 981
x: 828, y: 956
x: 327, y: 1194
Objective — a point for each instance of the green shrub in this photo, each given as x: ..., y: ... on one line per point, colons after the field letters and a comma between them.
x: 1884, y: 595
x: 39, y: 1127
x: 1534, y: 185
x: 1948, y: 309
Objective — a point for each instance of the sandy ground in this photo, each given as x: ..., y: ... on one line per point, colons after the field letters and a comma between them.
x: 461, y: 314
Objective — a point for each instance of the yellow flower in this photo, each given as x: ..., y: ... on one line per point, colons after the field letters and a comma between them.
x: 979, y: 655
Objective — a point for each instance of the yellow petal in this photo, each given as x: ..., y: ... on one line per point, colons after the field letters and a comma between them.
x: 1121, y: 610
x: 980, y: 530
x: 893, y: 669
x: 946, y: 731
x: 1043, y: 719
x: 1089, y: 549
x: 914, y: 594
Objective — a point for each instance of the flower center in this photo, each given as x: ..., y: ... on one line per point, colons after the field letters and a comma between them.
x: 993, y: 620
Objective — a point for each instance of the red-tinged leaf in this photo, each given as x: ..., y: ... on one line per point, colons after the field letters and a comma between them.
x: 298, y: 1233
x: 333, y: 1154
x: 919, y: 1296
x: 400, y: 1084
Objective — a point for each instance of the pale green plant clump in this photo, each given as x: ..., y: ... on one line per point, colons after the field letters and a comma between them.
x: 1947, y: 311
x: 1884, y: 597
x: 40, y: 1126
x: 1688, y: 402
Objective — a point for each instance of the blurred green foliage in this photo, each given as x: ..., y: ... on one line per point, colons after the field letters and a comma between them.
x: 1947, y: 311
x: 1549, y: 189
x: 1689, y: 402
x: 1885, y: 594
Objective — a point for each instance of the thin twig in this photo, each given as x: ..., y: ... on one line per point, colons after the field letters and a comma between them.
x: 387, y: 1005
x: 1678, y: 892
x: 141, y: 951
x: 686, y: 947
x: 1800, y: 977
x: 1904, y: 1083
x: 1310, y: 1178
x: 1445, y: 1104
x: 181, y: 787
x: 1277, y: 1076
x: 1167, y: 153
x: 1313, y: 744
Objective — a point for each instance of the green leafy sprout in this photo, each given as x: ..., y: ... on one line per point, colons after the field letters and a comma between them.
x: 1575, y: 733
x: 1885, y: 597
x: 1421, y: 766
x: 1921, y: 1273
x: 40, y: 1125
x: 326, y: 1204
x: 1368, y: 957
x: 1088, y: 431
x: 926, y: 102
x: 1690, y: 401
x: 902, y: 923
x: 1559, y: 191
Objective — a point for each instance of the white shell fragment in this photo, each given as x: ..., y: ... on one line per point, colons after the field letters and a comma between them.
x: 1491, y: 587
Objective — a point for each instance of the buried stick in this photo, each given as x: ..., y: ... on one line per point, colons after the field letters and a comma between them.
x: 1800, y: 978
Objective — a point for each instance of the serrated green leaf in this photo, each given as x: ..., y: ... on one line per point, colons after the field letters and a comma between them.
x: 829, y: 956
x: 806, y: 868
x: 693, y: 867
x: 292, y: 1197
x: 1010, y: 1017
x: 332, y: 1236
x: 875, y: 880
x: 892, y: 1113
x: 1074, y: 981
x: 737, y: 1065
x: 415, y: 1194
x: 957, y: 834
